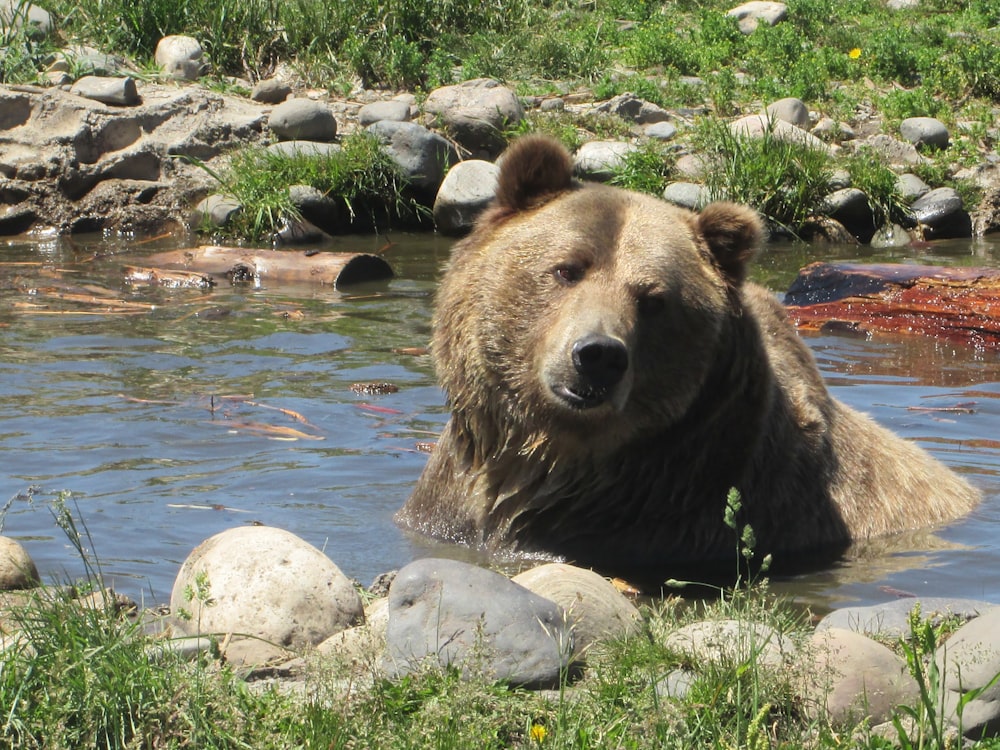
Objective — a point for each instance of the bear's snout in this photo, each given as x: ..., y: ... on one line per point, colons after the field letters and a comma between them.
x: 600, y: 360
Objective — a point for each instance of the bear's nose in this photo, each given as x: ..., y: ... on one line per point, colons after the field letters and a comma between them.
x: 602, y: 360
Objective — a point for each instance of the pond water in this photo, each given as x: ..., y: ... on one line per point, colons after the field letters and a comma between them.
x: 188, y: 412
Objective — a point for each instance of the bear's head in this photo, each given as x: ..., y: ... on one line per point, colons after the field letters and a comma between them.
x: 586, y: 312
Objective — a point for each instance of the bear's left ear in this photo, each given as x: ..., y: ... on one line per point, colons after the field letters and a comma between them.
x: 732, y: 233
x: 532, y: 171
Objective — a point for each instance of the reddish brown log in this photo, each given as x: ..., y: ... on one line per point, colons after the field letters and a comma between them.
x: 276, y: 266
x: 959, y: 304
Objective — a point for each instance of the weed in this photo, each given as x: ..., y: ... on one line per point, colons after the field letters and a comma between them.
x: 647, y: 169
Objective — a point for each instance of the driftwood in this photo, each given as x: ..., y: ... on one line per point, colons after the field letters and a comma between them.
x: 203, y: 266
x: 960, y: 304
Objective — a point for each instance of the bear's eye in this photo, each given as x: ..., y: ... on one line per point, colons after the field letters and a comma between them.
x: 649, y: 304
x: 568, y: 274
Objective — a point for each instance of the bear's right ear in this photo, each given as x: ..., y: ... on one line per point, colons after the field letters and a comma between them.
x: 732, y: 233
x: 532, y: 171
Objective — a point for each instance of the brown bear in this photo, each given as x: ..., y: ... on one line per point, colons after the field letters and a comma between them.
x: 611, y: 375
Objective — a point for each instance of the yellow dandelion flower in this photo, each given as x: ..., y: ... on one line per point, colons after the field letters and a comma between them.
x: 538, y: 733
x: 855, y: 53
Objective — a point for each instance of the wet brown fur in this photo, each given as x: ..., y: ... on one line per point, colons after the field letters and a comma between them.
x: 720, y: 392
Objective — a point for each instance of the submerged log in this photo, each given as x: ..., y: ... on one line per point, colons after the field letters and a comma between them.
x: 959, y: 304
x: 200, y: 266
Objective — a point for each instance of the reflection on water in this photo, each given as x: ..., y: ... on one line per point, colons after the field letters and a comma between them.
x: 171, y: 415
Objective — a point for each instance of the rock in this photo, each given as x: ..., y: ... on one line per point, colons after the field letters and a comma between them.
x: 454, y: 614
x: 421, y: 154
x: 86, y: 60
x: 318, y: 208
x: 555, y: 104
x: 180, y: 57
x: 757, y: 126
x: 270, y: 91
x: 895, y: 152
x: 826, y: 229
x: 925, y: 131
x: 660, y: 131
x: 598, y: 160
x: 937, y: 206
x: 687, y: 194
x: 115, y: 91
x: 633, y: 109
x: 363, y: 646
x: 970, y: 661
x: 911, y: 187
x: 266, y: 583
x: 215, y: 210
x: 16, y: 15
x: 691, y: 167
x: 827, y: 129
x: 752, y: 14
x: 733, y: 642
x: 790, y: 110
x: 476, y: 113
x: 467, y: 189
x: 853, y: 677
x: 891, y: 619
x: 394, y: 110
x: 595, y: 609
x: 305, y: 148
x: 892, y: 235
x: 17, y: 569
x: 676, y: 684
x: 302, y: 119
x: 851, y: 208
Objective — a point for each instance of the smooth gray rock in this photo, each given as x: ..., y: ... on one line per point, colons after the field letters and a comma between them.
x: 270, y: 91
x: 686, y: 194
x: 791, y: 110
x: 265, y: 583
x: 828, y: 129
x: 476, y: 113
x: 970, y: 661
x: 925, y: 131
x: 937, y: 207
x: 598, y: 160
x: 555, y: 104
x: 756, y: 126
x: 326, y: 213
x: 891, y: 619
x: 630, y: 107
x: 301, y: 119
x: 911, y: 187
x: 850, y: 207
x: 455, y: 614
x: 660, y: 131
x: 676, y: 684
x: 119, y: 92
x: 692, y: 167
x: 750, y: 15
x: 17, y: 569
x: 852, y: 677
x: 395, y: 110
x: 180, y: 57
x: 892, y: 235
x: 215, y: 210
x: 467, y: 189
x: 423, y: 155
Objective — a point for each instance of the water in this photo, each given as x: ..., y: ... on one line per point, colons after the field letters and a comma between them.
x: 205, y: 410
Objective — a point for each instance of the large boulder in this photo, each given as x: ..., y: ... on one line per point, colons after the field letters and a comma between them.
x: 266, y: 583
x: 476, y: 113
x: 455, y: 614
x: 467, y: 189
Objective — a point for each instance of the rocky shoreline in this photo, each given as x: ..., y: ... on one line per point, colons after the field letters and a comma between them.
x: 275, y: 607
x: 109, y: 153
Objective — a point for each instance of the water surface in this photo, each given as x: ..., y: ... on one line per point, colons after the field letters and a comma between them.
x: 195, y: 411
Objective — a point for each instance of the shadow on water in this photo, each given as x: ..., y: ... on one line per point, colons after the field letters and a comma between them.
x: 171, y: 415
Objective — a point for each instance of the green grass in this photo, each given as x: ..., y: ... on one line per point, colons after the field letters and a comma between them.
x: 85, y: 674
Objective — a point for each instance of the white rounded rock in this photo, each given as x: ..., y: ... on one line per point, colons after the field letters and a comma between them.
x: 267, y: 583
x: 17, y: 569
